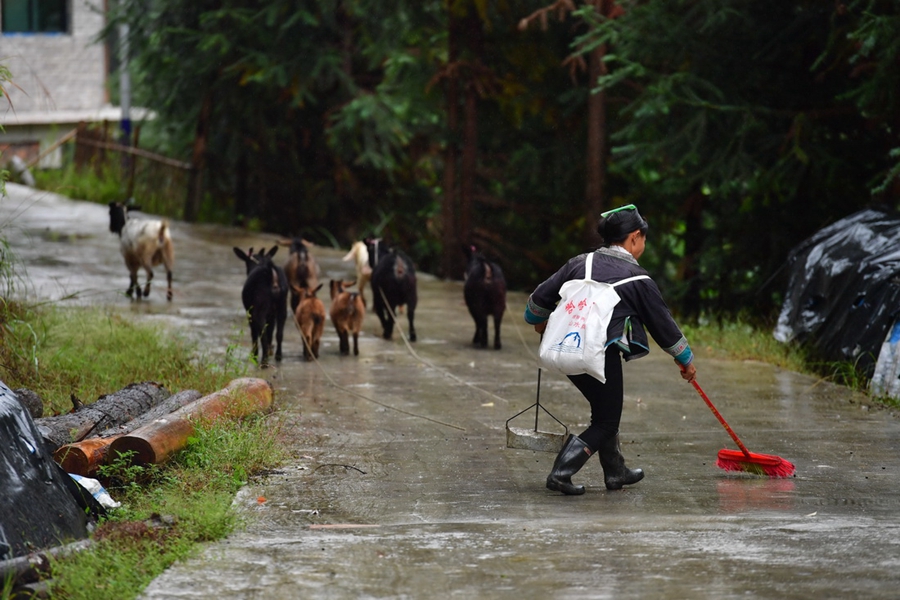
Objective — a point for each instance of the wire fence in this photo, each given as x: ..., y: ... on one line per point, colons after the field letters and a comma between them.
x: 159, y: 184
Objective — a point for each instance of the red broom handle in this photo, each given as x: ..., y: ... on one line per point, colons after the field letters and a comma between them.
x: 721, y: 419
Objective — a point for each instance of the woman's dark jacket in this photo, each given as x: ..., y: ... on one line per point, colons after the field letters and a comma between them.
x: 641, y: 305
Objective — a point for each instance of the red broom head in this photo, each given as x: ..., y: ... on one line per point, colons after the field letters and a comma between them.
x: 759, y: 464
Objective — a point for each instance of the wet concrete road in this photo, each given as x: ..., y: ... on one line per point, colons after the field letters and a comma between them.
x: 401, y: 485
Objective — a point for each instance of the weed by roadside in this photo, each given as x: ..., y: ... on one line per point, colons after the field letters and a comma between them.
x: 88, y: 352
x: 166, y: 511
x: 740, y: 340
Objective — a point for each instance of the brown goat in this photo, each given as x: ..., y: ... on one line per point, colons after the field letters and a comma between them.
x: 347, y: 312
x: 310, y: 318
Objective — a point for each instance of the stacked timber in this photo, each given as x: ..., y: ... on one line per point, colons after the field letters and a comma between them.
x: 85, y: 457
x: 155, y: 442
x: 155, y: 433
x: 108, y: 411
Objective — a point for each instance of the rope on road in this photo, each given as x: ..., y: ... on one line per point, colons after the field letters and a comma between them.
x: 428, y: 362
x: 524, y: 343
x: 363, y: 396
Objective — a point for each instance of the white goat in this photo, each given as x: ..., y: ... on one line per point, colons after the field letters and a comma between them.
x: 145, y: 243
x: 359, y: 254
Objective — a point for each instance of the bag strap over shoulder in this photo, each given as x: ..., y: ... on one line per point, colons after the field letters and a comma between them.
x: 627, y: 279
x: 589, y: 267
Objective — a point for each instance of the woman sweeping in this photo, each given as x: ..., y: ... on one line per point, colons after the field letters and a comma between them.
x: 624, y: 234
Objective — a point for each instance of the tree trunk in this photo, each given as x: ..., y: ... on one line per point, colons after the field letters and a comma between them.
x: 469, y: 166
x: 198, y: 161
x: 108, y: 411
x: 596, y: 148
x: 449, y: 237
x: 84, y: 457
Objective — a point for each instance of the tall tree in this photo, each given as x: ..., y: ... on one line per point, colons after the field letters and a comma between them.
x: 725, y: 111
x: 591, y: 60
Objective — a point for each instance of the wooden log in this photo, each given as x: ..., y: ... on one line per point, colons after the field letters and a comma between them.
x: 169, y: 405
x: 108, y: 411
x: 85, y: 457
x: 156, y: 442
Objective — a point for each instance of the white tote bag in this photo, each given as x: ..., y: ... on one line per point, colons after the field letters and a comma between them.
x: 574, y: 341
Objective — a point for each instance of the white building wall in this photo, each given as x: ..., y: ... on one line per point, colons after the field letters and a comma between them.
x: 57, y: 72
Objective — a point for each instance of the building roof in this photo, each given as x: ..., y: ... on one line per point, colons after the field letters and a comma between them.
x: 11, y: 118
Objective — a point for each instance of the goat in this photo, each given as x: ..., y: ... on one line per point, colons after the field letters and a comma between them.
x: 301, y: 269
x: 485, y: 294
x: 359, y: 255
x: 310, y: 318
x: 393, y: 284
x: 347, y: 312
x: 265, y: 300
x: 144, y: 243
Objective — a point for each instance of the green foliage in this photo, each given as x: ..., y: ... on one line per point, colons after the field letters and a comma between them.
x: 739, y: 128
x: 154, y: 186
x: 103, y: 188
x: 731, y: 125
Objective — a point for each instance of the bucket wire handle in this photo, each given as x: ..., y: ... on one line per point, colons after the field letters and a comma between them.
x: 537, y: 409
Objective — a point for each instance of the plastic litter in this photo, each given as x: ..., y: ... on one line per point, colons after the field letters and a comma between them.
x: 38, y: 510
x: 843, y: 293
x: 97, y: 491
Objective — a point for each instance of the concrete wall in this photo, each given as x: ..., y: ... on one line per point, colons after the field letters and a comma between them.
x: 58, y: 80
x: 57, y: 72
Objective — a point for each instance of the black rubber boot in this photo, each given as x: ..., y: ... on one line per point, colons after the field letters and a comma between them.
x: 568, y: 462
x: 615, y: 473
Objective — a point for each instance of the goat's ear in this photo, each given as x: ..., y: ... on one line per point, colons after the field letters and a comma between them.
x: 240, y: 254
x: 272, y: 252
x: 350, y: 283
x: 318, y: 288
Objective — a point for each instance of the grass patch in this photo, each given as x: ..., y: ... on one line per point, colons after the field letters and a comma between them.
x: 89, y: 352
x: 166, y: 511
x: 739, y: 340
x: 102, y: 185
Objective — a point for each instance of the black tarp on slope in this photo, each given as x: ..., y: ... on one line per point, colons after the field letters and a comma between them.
x: 844, y: 289
x: 37, y: 507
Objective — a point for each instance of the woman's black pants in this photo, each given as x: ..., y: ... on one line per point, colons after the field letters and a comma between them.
x: 606, y: 400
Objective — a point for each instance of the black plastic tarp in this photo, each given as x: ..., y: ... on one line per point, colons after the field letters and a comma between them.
x: 39, y: 509
x: 843, y: 293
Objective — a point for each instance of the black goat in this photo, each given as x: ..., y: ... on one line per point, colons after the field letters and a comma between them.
x: 393, y: 285
x: 265, y: 299
x: 485, y: 294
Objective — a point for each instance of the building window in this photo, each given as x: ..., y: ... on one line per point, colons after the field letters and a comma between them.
x: 35, y: 16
